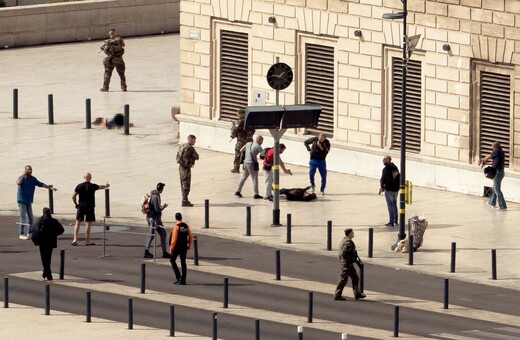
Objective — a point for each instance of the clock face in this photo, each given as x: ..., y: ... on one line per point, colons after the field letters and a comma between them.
x: 279, y: 76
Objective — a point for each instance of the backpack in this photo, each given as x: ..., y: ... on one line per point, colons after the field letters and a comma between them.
x: 180, y: 155
x: 145, y: 203
x: 263, y: 153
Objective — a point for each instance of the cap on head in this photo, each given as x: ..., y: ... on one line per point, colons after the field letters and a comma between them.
x: 178, y: 216
x: 348, y: 231
x: 160, y: 185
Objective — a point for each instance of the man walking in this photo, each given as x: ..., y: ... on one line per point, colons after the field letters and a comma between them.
x: 85, y: 209
x: 243, y: 136
x: 389, y: 184
x: 180, y: 243
x: 251, y: 166
x: 186, y: 157
x: 498, y: 158
x: 268, y: 171
x: 27, y: 183
x: 153, y: 217
x: 318, y: 148
x: 114, y: 49
x: 348, y: 256
x: 48, y: 230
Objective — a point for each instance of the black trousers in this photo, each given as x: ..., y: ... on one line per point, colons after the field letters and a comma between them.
x: 347, y: 270
x: 46, y: 256
x: 182, y: 254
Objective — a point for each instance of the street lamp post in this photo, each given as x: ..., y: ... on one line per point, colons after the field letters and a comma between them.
x: 402, y: 182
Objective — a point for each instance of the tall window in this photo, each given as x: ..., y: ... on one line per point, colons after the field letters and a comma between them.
x: 319, y: 84
x: 495, y: 116
x: 413, y: 104
x: 234, y: 73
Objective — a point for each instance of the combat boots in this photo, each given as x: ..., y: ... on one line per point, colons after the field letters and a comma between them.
x: 187, y: 203
x: 358, y: 295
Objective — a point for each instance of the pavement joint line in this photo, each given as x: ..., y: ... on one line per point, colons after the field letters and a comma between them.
x: 216, y: 306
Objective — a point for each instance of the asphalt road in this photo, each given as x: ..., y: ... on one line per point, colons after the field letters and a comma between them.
x: 123, y: 268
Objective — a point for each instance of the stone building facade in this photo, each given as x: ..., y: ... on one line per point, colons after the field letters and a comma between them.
x: 462, y: 80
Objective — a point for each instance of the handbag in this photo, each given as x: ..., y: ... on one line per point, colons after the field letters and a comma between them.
x: 267, y: 167
x: 490, y: 172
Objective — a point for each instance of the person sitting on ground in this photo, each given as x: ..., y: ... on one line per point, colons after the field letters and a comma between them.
x: 298, y: 194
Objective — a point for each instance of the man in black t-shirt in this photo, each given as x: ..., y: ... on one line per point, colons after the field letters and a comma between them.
x: 85, y: 208
x: 497, y: 156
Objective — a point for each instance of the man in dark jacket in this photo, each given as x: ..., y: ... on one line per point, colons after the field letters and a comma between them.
x: 318, y: 148
x: 348, y: 256
x: 389, y: 183
x: 153, y: 217
x: 180, y: 243
x: 47, y: 233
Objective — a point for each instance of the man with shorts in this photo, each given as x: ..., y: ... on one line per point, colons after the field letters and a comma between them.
x: 85, y: 208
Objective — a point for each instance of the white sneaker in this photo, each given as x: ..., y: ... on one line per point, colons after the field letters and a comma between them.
x: 489, y: 205
x: 502, y: 209
x: 312, y: 189
x: 23, y: 237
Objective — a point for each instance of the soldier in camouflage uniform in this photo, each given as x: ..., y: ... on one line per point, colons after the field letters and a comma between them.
x: 243, y: 137
x: 114, y: 49
x: 186, y: 157
x: 348, y: 256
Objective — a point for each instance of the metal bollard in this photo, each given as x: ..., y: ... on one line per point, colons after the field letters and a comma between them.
x: 344, y: 336
x: 494, y: 264
x: 62, y: 264
x: 248, y: 221
x: 214, y: 320
x: 6, y: 292
x: 277, y: 260
x: 257, y: 329
x: 289, y: 225
x: 127, y: 119
x: 310, y: 307
x: 50, y: 105
x: 446, y: 293
x: 143, y: 278
x: 226, y: 292
x: 300, y: 332
x: 410, y: 250
x: 453, y: 256
x: 51, y: 199
x: 195, y: 251
x: 329, y: 235
x: 15, y: 103
x: 206, y: 214
x: 370, y: 242
x: 107, y: 202
x: 88, y: 114
x: 361, y: 278
x: 130, y: 314
x: 88, y: 307
x: 396, y: 321
x: 172, y: 320
x: 47, y: 300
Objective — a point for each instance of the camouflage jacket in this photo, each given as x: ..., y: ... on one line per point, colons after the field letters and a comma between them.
x: 242, y: 134
x: 347, y: 251
x: 186, y: 156
x: 114, y: 47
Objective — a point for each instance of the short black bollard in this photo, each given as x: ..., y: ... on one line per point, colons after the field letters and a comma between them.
x: 107, y: 202
x: 206, y: 214
x: 344, y: 336
x: 127, y: 119
x: 370, y: 242
x: 89, y: 307
x: 195, y: 251
x: 410, y: 250
x: 88, y: 114
x: 257, y: 329
x: 226, y: 292
x: 6, y: 292
x: 47, y: 300
x: 494, y: 264
x: 446, y: 293
x: 51, y: 109
x: 214, y: 320
x: 62, y: 264
x: 299, y: 329
x: 248, y: 221
x: 361, y: 279
x: 396, y: 321
x: 329, y: 235
x: 130, y: 314
x: 172, y: 320
x: 143, y: 278
x: 277, y: 260
x: 51, y: 199
x: 289, y: 225
x: 15, y: 103
x: 453, y: 256
x: 310, y: 307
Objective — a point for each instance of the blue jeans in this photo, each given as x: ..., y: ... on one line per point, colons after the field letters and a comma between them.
x: 391, y: 203
x: 26, y: 216
x: 497, y: 192
x: 322, y: 168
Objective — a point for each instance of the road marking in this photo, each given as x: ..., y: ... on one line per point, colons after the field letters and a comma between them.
x: 452, y: 336
x: 510, y: 329
x: 216, y: 306
x: 491, y: 335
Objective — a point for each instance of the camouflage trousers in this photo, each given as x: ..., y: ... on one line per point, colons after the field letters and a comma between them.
x: 109, y: 68
x: 347, y: 270
x: 185, y: 177
x: 238, y: 154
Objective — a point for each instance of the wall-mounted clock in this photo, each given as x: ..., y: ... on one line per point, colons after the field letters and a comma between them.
x: 279, y: 76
